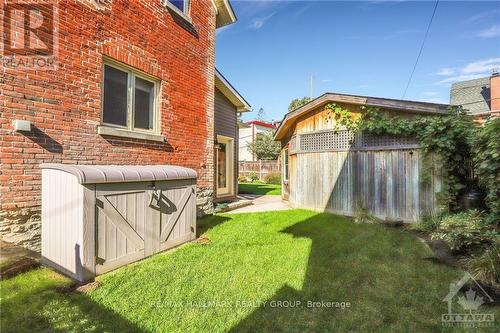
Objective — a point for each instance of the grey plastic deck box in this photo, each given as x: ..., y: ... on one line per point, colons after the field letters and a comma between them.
x: 98, y: 218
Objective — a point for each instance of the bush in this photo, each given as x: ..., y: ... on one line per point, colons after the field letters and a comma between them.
x: 273, y: 178
x: 487, y: 165
x: 253, y: 176
x: 485, y: 266
x: 428, y: 223
x: 362, y: 215
x: 242, y: 179
x: 465, y: 231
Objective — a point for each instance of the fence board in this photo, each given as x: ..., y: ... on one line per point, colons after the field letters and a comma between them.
x: 386, y: 182
x: 261, y: 168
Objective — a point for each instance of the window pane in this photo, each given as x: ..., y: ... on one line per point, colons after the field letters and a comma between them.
x: 179, y: 4
x: 115, y: 96
x: 144, y: 104
x: 285, y: 162
x: 221, y: 165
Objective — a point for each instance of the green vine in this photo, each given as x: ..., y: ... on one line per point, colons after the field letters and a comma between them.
x: 341, y: 116
x: 487, y: 165
x: 445, y: 141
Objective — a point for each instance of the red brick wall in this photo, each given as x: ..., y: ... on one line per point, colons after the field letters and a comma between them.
x: 64, y: 106
x: 495, y: 93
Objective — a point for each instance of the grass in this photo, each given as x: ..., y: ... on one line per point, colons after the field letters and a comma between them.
x: 259, y: 188
x: 236, y: 283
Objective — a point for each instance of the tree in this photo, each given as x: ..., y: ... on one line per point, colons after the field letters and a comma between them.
x: 298, y: 102
x: 264, y: 147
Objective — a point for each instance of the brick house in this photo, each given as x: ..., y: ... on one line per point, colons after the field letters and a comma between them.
x: 134, y: 85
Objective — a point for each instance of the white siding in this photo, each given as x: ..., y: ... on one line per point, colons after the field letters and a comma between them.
x: 246, y: 137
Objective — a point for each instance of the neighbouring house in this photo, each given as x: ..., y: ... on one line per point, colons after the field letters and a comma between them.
x: 228, y: 103
x: 328, y: 168
x: 248, y: 132
x: 480, y: 97
x: 135, y: 84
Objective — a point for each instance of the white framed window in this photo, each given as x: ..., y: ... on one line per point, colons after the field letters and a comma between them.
x: 129, y: 99
x: 181, y: 7
x: 285, y: 164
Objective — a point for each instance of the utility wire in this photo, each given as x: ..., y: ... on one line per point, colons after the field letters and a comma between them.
x: 421, y: 48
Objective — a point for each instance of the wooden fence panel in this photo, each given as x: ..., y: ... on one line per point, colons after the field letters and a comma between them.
x: 386, y: 182
x: 261, y: 168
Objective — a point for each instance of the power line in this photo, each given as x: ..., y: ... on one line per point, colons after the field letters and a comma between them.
x: 421, y: 48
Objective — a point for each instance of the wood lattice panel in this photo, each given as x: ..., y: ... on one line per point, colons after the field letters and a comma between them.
x: 346, y: 140
x: 374, y: 140
x: 327, y: 140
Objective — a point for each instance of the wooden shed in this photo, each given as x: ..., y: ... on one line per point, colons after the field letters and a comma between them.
x: 98, y: 218
x: 328, y: 168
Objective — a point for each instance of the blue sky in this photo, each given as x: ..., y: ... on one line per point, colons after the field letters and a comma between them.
x: 365, y: 48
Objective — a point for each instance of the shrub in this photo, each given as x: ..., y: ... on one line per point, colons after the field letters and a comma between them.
x: 253, y: 176
x: 242, y: 179
x: 485, y: 265
x: 465, y: 231
x: 428, y: 223
x: 362, y: 215
x: 487, y: 165
x: 273, y: 178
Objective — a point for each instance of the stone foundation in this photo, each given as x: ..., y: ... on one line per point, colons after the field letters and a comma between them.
x: 22, y: 227
x: 204, y: 201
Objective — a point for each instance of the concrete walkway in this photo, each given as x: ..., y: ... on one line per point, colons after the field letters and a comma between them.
x: 262, y: 203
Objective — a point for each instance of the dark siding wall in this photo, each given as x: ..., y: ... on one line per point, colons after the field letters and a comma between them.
x: 226, y: 125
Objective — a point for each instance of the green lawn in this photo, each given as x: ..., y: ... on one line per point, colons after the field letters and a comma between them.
x: 386, y: 275
x: 259, y: 188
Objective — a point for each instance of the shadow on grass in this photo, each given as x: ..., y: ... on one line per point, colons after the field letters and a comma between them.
x: 383, y: 274
x: 44, y: 301
x: 51, y: 307
x: 209, y: 222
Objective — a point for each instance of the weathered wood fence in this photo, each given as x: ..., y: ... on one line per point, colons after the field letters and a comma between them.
x: 261, y: 168
x: 388, y: 183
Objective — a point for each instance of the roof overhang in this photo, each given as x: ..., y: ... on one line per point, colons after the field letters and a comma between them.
x: 386, y: 103
x: 231, y: 94
x: 225, y: 13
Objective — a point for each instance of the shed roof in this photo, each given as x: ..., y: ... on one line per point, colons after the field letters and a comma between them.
x: 98, y: 174
x: 386, y: 103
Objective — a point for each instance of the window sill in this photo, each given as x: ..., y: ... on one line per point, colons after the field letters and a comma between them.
x: 177, y: 11
x: 113, y: 131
